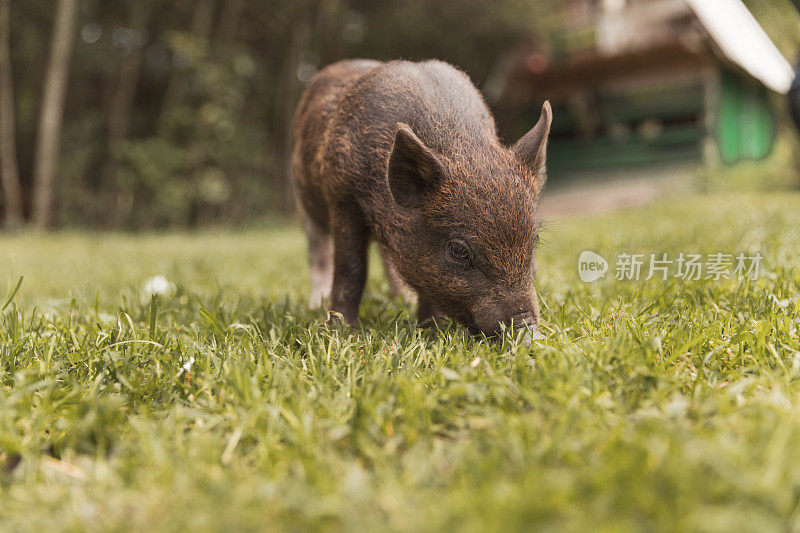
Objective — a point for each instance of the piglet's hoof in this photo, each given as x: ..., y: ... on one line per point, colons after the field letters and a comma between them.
x: 431, y: 323
x: 335, y: 318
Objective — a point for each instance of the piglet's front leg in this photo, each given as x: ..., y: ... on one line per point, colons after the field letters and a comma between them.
x: 350, y: 241
x: 427, y: 313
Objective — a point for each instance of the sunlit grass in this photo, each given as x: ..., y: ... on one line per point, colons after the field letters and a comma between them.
x: 227, y: 404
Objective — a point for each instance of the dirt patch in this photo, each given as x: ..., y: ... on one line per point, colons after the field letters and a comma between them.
x: 599, y: 194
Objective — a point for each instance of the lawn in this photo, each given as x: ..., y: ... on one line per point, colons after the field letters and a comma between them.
x: 226, y: 404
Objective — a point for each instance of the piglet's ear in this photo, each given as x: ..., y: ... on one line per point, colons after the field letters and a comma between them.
x: 414, y: 170
x: 531, y: 149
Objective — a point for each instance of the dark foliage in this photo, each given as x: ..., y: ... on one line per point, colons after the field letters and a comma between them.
x: 178, y: 112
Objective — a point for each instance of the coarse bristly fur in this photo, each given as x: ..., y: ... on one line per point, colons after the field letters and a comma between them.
x: 407, y: 154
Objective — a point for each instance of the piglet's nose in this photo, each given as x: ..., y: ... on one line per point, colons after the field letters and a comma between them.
x: 522, y: 320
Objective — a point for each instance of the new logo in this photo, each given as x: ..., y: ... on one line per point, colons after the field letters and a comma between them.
x: 591, y: 266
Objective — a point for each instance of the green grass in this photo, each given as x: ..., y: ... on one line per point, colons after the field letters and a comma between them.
x: 780, y: 170
x: 652, y: 405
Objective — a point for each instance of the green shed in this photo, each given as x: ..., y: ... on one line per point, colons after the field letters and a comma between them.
x: 638, y: 83
x: 745, y: 125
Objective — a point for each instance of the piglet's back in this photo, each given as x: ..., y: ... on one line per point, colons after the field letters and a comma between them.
x: 321, y: 103
x: 311, y: 130
x: 347, y: 120
x: 435, y: 99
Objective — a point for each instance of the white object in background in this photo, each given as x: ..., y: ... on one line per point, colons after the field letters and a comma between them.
x: 158, y: 285
x: 742, y: 40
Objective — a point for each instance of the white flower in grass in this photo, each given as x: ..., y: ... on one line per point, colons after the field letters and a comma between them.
x: 187, y: 367
x: 158, y: 285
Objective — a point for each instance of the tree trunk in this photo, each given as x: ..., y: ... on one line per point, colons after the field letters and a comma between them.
x: 11, y: 188
x: 122, y: 100
x: 288, y: 96
x: 52, y: 112
x: 202, y: 25
x: 119, y: 114
x: 229, y: 21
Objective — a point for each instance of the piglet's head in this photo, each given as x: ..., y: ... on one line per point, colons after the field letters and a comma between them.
x: 470, y: 243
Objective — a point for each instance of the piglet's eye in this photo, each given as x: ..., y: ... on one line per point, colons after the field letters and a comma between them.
x: 458, y: 252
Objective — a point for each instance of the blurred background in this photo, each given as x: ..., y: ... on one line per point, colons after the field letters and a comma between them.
x: 136, y: 115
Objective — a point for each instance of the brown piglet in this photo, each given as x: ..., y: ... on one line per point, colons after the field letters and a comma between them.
x: 407, y: 154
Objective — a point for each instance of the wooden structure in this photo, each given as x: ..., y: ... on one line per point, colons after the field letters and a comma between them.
x: 646, y: 82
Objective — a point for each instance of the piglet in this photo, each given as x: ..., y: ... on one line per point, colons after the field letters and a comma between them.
x: 407, y: 154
